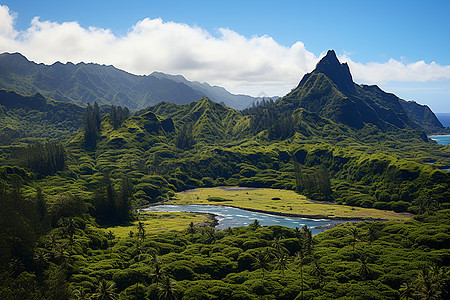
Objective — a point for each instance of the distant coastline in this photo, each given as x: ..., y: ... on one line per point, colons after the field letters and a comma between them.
x: 443, y: 139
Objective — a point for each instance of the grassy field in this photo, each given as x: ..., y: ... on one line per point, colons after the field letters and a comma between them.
x: 157, y: 221
x: 283, y: 201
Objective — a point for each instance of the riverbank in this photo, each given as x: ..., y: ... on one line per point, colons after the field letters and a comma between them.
x: 229, y: 217
x: 163, y: 221
x: 282, y: 203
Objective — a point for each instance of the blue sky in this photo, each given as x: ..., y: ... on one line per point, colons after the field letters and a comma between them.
x: 383, y: 41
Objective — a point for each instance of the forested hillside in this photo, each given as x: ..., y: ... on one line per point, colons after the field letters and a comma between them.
x: 82, y: 83
x: 68, y: 174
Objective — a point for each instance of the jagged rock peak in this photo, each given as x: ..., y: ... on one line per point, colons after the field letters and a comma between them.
x: 339, y: 73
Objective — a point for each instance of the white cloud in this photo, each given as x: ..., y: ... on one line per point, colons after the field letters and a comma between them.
x: 394, y: 70
x: 245, y: 65
x: 240, y: 64
x: 7, y: 22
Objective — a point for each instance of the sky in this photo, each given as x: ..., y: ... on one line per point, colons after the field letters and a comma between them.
x: 248, y: 47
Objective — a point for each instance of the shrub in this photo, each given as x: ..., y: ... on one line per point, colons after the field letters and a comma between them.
x: 400, y: 206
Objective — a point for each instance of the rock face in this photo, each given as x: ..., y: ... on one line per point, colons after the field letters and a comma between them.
x: 329, y: 91
x: 339, y: 73
x: 423, y: 115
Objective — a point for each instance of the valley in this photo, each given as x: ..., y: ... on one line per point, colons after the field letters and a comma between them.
x: 281, y: 202
x: 76, y: 177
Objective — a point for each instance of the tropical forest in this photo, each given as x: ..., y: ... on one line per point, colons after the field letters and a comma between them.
x: 103, y: 175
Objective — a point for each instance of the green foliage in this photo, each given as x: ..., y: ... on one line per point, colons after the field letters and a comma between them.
x: 25, y: 118
x: 282, y: 263
x: 316, y: 185
x: 42, y: 158
x: 91, y: 126
x: 185, y: 138
x: 111, y: 206
x: 117, y: 115
x: 310, y: 141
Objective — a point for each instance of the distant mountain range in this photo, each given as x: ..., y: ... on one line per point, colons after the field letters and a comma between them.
x: 328, y: 90
x: 82, y: 83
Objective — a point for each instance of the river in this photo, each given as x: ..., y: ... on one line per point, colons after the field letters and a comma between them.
x: 235, y: 217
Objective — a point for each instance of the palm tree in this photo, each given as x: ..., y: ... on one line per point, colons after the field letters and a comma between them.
x: 157, y: 274
x: 191, y: 230
x: 307, y: 239
x: 53, y: 244
x: 276, y: 243
x: 262, y: 261
x: 41, y: 258
x: 299, y: 259
x: 60, y: 255
x: 406, y: 290
x: 298, y: 233
x: 69, y: 227
x: 371, y: 232
x: 105, y: 291
x: 229, y: 231
x: 210, y: 235
x: 16, y: 267
x: 81, y: 295
x: 440, y: 278
x: 426, y: 286
x: 141, y: 231
x: 364, y: 270
x: 355, y: 235
x: 167, y: 290
x: 255, y: 225
x: 110, y: 236
x: 281, y: 262
x: 318, y: 272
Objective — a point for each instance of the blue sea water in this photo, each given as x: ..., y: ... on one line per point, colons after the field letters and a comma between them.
x: 441, y: 139
x: 444, y: 118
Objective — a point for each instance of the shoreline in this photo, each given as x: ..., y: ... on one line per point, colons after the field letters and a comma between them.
x: 275, y: 213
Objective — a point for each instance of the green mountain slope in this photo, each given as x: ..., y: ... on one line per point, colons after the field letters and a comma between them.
x: 328, y: 140
x: 330, y: 91
x: 81, y: 83
x: 210, y: 120
x: 422, y: 114
x: 35, y: 118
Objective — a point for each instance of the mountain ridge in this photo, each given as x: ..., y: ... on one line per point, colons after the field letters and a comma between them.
x: 89, y: 82
x: 329, y: 90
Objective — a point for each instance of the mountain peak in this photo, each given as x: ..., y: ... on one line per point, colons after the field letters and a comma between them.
x: 330, y: 58
x: 339, y: 73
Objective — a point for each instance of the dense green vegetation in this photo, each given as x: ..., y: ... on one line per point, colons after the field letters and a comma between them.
x: 31, y: 118
x: 82, y: 83
x: 360, y: 261
x: 329, y: 139
x: 284, y: 202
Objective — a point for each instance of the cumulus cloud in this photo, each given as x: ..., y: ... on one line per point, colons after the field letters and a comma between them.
x: 394, y: 70
x: 241, y: 64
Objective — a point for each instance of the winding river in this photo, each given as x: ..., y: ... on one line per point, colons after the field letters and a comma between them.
x: 235, y: 217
